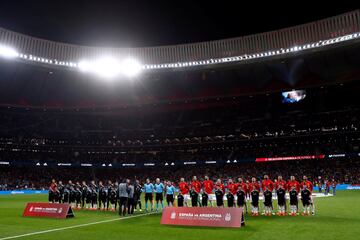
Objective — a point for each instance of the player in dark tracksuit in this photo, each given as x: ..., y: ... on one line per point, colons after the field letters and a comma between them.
x: 103, y: 195
x: 61, y: 189
x: 112, y: 196
x: 84, y: 192
x: 78, y: 194
x: 94, y: 195
x: 72, y: 195
x: 137, y: 195
x: 89, y: 196
x: 67, y: 190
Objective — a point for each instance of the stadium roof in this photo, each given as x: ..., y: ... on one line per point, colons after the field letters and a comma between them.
x: 35, y: 72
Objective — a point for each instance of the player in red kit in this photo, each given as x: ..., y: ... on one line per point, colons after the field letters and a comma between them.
x: 269, y: 185
x: 53, y: 191
x: 196, y: 186
x: 184, y: 191
x: 245, y: 188
x: 232, y: 187
x: 293, y: 183
x: 207, y: 195
x: 293, y: 188
x: 280, y: 188
x: 309, y: 186
x: 280, y: 183
x: 219, y: 193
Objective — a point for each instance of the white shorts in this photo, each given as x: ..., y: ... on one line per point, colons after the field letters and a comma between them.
x: 211, y: 197
x: 187, y: 197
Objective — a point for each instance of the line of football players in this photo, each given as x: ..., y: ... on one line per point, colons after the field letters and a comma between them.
x: 88, y: 196
x: 241, y: 192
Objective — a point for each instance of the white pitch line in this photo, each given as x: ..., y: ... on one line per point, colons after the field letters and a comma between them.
x: 76, y: 226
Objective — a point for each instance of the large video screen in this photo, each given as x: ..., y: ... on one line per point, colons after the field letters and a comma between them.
x: 293, y: 96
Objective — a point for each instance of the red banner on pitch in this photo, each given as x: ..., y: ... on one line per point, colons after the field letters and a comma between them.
x: 202, y: 216
x: 51, y: 210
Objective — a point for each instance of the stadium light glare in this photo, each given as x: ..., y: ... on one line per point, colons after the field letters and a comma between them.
x: 8, y: 52
x: 108, y: 67
x: 130, y: 67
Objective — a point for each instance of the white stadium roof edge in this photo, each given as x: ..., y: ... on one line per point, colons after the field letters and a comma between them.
x: 110, y: 62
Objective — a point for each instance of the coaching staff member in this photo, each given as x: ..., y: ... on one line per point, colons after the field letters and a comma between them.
x: 123, y: 196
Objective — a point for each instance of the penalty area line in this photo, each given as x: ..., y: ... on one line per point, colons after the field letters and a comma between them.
x: 75, y: 226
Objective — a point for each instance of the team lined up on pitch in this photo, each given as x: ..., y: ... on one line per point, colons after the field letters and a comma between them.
x: 127, y: 196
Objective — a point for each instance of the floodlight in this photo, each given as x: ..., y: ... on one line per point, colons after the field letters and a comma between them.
x: 8, y: 52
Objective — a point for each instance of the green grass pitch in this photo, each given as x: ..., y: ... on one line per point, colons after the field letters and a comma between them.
x: 336, y: 218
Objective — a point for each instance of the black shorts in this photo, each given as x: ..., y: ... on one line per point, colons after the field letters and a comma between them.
x: 204, y: 200
x: 51, y: 196
x: 219, y: 200
x: 148, y: 197
x: 281, y: 201
x: 255, y: 202
x: 306, y: 202
x: 230, y: 200
x: 268, y: 203
x: 159, y: 197
x: 170, y: 198
x: 123, y: 201
x: 180, y: 200
x: 294, y: 200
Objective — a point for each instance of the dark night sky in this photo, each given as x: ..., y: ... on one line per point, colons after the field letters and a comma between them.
x: 154, y: 22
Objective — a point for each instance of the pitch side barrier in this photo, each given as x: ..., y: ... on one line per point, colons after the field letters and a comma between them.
x: 123, y: 165
x: 22, y: 192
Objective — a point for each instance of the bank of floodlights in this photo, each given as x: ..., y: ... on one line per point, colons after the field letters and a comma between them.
x: 109, y: 67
